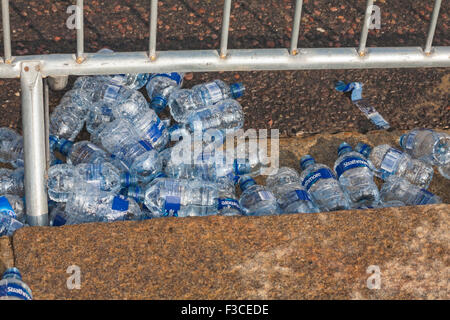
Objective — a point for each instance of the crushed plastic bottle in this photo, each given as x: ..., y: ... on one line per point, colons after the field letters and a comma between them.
x: 256, y: 200
x: 427, y: 145
x: 399, y: 189
x: 389, y: 161
x: 160, y: 86
x: 355, y: 177
x: 322, y: 185
x: 291, y: 196
x: 13, y: 288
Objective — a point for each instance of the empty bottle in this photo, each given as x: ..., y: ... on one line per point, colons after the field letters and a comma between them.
x: 181, y: 197
x: 11, y: 147
x: 399, y: 189
x: 141, y: 162
x: 81, y: 152
x: 13, y: 206
x: 9, y: 225
x: 227, y: 203
x: 67, y: 120
x: 291, y: 196
x: 151, y: 129
x: 225, y: 115
x: 389, y: 161
x: 11, y: 181
x: 13, y: 288
x: 427, y: 145
x: 355, y: 177
x: 322, y: 185
x: 99, y: 114
x: 183, y: 102
x: 160, y: 86
x: 256, y: 200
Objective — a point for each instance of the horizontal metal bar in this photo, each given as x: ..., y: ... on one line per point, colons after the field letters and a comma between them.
x: 237, y: 60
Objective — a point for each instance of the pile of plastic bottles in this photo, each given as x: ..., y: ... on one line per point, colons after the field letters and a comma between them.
x: 127, y: 170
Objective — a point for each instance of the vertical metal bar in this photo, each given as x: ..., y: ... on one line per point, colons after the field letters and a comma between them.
x: 80, y: 31
x: 47, y: 124
x: 153, y: 28
x: 296, y: 28
x: 434, y: 18
x: 365, y: 29
x: 6, y: 31
x: 225, y: 29
x: 33, y: 140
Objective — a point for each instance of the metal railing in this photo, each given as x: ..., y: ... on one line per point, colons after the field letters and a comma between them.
x: 32, y: 69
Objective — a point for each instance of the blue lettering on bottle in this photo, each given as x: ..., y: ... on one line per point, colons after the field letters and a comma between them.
x: 313, y: 177
x: 350, y: 163
x: 228, y: 203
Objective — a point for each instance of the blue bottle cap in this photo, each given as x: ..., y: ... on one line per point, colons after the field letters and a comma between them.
x: 12, y: 273
x: 344, y: 147
x: 305, y: 161
x: 246, y: 182
x: 402, y: 140
x: 237, y: 90
x: 158, y: 103
x: 364, y: 149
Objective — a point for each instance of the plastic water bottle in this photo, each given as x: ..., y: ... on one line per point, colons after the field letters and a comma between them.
x: 160, y: 86
x: 227, y: 202
x: 13, y: 206
x: 67, y: 120
x: 217, y: 90
x: 13, y: 288
x: 390, y: 161
x: 399, y: 189
x: 445, y: 171
x: 291, y: 196
x: 11, y: 147
x: 99, y: 114
x: 9, y: 225
x: 182, y: 101
x: 322, y: 185
x: 141, y: 162
x: 355, y: 177
x: 132, y: 81
x: 81, y: 152
x: 226, y: 114
x: 181, y: 197
x: 149, y: 127
x: 427, y: 145
x: 11, y: 181
x: 256, y: 200
x: 82, y: 208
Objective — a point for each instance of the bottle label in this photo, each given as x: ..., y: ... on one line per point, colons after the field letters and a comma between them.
x: 6, y: 208
x: 156, y: 130
x: 59, y: 221
x: 228, y: 203
x: 424, y: 197
x: 410, y: 140
x: 350, y: 163
x: 266, y: 195
x: 111, y: 92
x: 301, y: 195
x: 215, y: 94
x: 120, y: 204
x: 14, y: 290
x: 391, y: 160
x: 313, y: 177
x: 172, y: 201
x: 173, y: 75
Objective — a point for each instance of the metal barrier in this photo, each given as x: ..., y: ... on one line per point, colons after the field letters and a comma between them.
x: 57, y: 67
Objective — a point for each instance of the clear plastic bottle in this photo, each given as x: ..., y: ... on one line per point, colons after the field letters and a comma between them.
x: 225, y: 115
x: 9, y: 225
x: 11, y: 147
x: 81, y: 152
x: 227, y: 202
x: 140, y: 161
x: 13, y: 206
x: 399, y: 189
x: 256, y: 200
x: 291, y: 196
x: 67, y: 120
x: 356, y: 178
x: 11, y: 181
x: 217, y: 90
x: 149, y: 127
x: 160, y: 86
x: 322, y: 185
x: 13, y: 288
x: 181, y: 197
x: 99, y: 115
x: 390, y: 161
x: 427, y: 145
